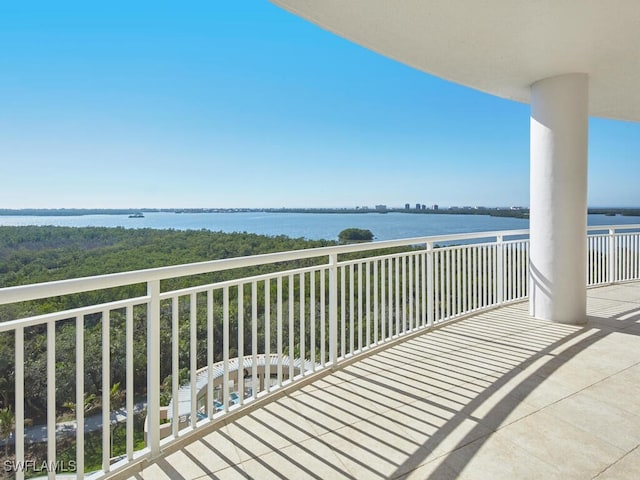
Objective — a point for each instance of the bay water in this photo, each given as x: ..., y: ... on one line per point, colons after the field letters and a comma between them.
x: 312, y: 226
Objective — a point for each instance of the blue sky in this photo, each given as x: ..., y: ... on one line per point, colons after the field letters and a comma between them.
x: 240, y: 104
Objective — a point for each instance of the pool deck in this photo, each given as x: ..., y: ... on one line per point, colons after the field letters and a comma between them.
x: 498, y: 395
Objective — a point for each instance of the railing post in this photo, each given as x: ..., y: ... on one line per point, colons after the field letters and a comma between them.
x: 430, y: 281
x: 500, y: 269
x: 153, y: 368
x: 613, y: 254
x: 333, y: 309
x: 19, y: 400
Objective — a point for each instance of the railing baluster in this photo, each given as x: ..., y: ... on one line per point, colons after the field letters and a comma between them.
x: 303, y: 330
x: 322, y: 318
x: 312, y: 329
x: 477, y: 278
x: 292, y: 332
x: 511, y: 270
x: 19, y: 399
x: 360, y: 316
x: 267, y: 335
x: 485, y: 276
x: 368, y: 303
x: 517, y: 262
x: 175, y: 365
x: 447, y: 283
x: 523, y: 266
x: 80, y: 395
x: 333, y: 310
x: 129, y: 389
x: 225, y: 348
x: 458, y: 274
x: 419, y: 276
x: 106, y: 390
x: 410, y: 293
x: 351, y: 310
x: 425, y: 315
x: 240, y: 349
x: 429, y: 283
x: 153, y: 368
x: 437, y: 284
x: 51, y: 394
x: 463, y: 279
x: 343, y: 312
x: 590, y: 257
x: 376, y: 306
x: 383, y: 300
x: 634, y: 260
x: 403, y: 287
x: 254, y: 340
x: 612, y: 277
x: 471, y: 274
x: 600, y: 259
x: 521, y: 263
x: 514, y: 268
x: 397, y: 299
x: 604, y: 259
x: 524, y: 269
x: 279, y: 329
x: 193, y: 357
x: 626, y: 256
x: 210, y: 354
x: 390, y: 298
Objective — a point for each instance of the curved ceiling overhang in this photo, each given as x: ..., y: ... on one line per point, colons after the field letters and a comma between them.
x: 500, y: 46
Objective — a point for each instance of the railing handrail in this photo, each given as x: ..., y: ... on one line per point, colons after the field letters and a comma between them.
x: 36, y: 291
x: 608, y: 228
x: 23, y: 293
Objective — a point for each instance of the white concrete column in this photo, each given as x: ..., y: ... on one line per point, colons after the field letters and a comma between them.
x: 558, y: 222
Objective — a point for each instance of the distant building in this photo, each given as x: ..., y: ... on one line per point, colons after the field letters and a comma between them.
x: 381, y: 208
x: 407, y: 206
x: 424, y: 207
x: 417, y: 206
x: 435, y: 206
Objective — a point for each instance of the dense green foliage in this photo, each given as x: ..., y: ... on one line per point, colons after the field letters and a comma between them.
x: 41, y: 254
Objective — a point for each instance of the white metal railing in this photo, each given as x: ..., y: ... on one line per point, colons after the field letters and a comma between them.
x: 313, y: 308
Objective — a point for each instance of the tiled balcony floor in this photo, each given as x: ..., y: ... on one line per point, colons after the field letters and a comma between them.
x: 496, y: 396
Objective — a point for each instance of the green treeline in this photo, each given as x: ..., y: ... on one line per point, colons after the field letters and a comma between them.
x: 42, y: 254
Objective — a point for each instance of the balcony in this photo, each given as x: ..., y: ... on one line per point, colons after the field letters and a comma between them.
x: 413, y: 358
x: 496, y: 395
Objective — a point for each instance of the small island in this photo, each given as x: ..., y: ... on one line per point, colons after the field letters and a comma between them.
x: 355, y: 235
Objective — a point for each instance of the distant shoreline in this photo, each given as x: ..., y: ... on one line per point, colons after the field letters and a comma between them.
x: 495, y: 212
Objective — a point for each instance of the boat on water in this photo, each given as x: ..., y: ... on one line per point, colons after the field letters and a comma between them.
x: 136, y: 215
